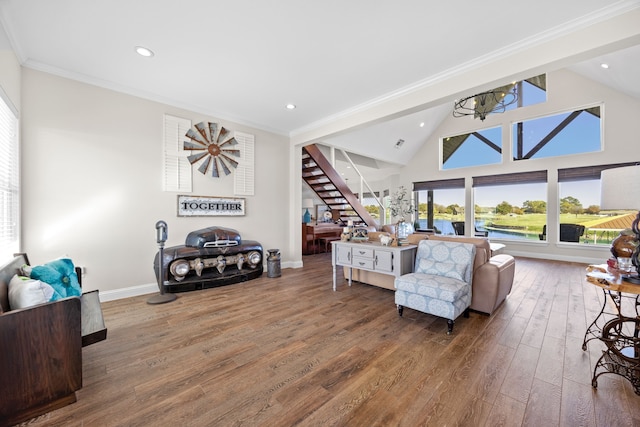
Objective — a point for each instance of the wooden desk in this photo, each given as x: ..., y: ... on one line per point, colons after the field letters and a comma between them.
x: 312, y: 232
x: 372, y: 256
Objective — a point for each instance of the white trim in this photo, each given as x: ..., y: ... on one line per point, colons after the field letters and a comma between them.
x: 564, y: 29
x: 556, y: 257
x: 132, y: 291
x: 150, y: 288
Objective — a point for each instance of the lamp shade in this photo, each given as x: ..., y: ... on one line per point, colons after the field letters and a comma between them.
x: 620, y: 188
x: 307, y: 203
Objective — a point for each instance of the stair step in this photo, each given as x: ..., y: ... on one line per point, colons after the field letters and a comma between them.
x: 309, y: 164
x: 312, y: 170
x: 336, y: 195
x: 324, y: 194
x: 323, y: 186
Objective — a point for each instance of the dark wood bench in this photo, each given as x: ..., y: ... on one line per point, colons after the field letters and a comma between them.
x: 41, y: 349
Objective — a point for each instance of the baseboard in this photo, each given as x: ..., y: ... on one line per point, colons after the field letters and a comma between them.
x: 134, y: 291
x: 292, y: 264
x: 581, y: 260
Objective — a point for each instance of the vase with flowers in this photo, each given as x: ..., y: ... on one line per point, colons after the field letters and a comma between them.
x: 399, y: 207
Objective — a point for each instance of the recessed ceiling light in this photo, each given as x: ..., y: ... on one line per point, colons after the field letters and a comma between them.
x: 143, y: 51
x: 421, y: 124
x: 604, y: 65
x: 291, y: 106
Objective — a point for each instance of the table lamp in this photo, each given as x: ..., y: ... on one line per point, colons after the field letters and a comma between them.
x: 307, y: 203
x: 620, y: 189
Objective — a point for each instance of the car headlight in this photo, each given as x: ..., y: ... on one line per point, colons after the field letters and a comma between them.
x: 179, y: 269
x: 254, y: 258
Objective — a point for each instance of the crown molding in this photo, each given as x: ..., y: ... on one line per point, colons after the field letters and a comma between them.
x: 105, y: 84
x: 602, y: 15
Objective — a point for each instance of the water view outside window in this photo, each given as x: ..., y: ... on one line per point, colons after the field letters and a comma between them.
x: 580, y: 205
x: 519, y: 211
x: 448, y: 206
x: 515, y: 211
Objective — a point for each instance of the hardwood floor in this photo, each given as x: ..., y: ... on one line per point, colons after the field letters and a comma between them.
x: 290, y: 351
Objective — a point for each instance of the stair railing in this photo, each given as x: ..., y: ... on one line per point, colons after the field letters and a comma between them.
x: 341, y: 187
x: 364, y: 182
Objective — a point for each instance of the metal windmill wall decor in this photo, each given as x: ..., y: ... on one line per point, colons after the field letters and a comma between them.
x: 211, y: 145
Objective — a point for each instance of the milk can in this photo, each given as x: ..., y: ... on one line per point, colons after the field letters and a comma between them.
x: 273, y: 263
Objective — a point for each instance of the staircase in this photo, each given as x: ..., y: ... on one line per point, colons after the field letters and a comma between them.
x: 325, y: 181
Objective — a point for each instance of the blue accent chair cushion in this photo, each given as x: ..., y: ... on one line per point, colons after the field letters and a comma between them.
x: 441, y: 282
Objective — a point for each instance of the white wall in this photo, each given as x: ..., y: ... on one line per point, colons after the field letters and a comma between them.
x: 92, y: 184
x: 566, y: 91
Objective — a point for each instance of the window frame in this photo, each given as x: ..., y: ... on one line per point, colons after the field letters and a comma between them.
x: 516, y: 178
x: 477, y: 135
x: 429, y: 187
x: 584, y: 173
x: 10, y: 183
x: 517, y: 147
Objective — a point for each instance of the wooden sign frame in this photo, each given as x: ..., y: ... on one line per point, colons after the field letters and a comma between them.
x: 210, y: 206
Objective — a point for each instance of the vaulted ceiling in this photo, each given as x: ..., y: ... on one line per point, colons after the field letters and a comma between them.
x: 246, y: 60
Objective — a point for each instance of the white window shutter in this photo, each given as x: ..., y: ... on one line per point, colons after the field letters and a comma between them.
x: 244, y: 175
x: 176, y: 168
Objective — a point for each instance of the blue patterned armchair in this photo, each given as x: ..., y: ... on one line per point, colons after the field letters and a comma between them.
x: 441, y: 282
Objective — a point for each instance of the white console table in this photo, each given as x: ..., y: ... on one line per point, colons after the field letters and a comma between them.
x: 372, y: 256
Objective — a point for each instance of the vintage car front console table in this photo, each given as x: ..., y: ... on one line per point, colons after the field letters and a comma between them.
x: 373, y: 256
x: 210, y: 257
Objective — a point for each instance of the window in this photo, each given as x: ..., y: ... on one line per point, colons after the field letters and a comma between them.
x: 579, y: 202
x: 370, y: 203
x: 483, y: 147
x: 530, y: 91
x: 511, y: 206
x: 440, y: 203
x: 9, y: 181
x: 562, y: 134
x: 504, y: 98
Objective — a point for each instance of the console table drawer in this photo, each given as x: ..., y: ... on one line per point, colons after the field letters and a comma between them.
x: 362, y: 252
x: 366, y: 263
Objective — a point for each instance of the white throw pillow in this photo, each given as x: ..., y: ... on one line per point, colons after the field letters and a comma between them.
x: 26, y: 292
